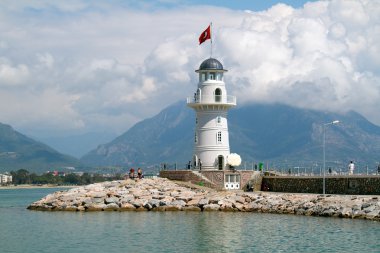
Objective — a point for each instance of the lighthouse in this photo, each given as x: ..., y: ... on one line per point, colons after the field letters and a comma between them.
x: 211, y: 104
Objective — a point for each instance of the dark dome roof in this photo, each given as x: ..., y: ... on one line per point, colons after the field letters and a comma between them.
x: 211, y: 63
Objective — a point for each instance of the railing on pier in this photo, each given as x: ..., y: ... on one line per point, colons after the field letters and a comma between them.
x: 282, y: 170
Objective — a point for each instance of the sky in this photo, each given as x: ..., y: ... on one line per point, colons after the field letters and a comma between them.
x: 77, y: 66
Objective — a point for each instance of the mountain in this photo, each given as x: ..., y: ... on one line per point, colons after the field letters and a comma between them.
x: 284, y: 134
x: 77, y: 145
x: 165, y: 137
x: 19, y: 151
x: 275, y: 133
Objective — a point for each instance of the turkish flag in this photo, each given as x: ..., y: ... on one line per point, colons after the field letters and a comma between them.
x: 206, y: 35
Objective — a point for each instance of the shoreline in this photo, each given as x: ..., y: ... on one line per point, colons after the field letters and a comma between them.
x: 32, y: 186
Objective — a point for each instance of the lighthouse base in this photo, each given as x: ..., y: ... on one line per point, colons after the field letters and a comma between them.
x: 217, y: 179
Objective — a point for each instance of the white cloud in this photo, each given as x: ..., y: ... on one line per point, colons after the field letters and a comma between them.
x: 46, y: 60
x: 13, y: 75
x: 87, y: 66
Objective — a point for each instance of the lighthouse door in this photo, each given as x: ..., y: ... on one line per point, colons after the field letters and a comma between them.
x: 220, y: 162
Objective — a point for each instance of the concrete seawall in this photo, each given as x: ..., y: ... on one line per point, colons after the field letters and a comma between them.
x: 354, y: 185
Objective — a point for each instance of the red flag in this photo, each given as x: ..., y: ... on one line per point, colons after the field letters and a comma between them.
x: 206, y: 35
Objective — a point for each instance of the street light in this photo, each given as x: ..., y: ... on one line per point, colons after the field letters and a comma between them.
x: 324, y: 152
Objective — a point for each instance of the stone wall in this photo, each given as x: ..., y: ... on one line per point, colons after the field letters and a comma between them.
x: 363, y: 185
x: 186, y: 176
x: 210, y: 178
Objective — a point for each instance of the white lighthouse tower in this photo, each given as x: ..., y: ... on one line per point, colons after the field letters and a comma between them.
x: 211, y: 103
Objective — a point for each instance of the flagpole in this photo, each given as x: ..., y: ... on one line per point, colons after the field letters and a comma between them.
x: 211, y: 38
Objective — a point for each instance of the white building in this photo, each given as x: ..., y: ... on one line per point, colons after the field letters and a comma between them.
x: 5, y: 179
x: 211, y: 104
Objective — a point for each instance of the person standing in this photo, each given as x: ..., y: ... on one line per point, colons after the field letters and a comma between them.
x: 139, y: 173
x: 132, y: 173
x: 351, y: 168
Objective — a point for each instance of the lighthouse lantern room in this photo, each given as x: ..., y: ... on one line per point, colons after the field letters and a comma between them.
x: 211, y: 104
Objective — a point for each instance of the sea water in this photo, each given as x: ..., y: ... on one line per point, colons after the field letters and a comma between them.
x: 23, y: 230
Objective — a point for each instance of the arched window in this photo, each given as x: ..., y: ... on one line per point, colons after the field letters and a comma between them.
x: 218, y: 120
x: 218, y: 95
x: 198, y: 96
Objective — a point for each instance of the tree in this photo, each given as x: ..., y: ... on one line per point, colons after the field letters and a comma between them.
x: 72, y: 179
x: 21, y: 177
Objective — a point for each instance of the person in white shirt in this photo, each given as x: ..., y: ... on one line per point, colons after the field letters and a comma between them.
x: 351, y: 168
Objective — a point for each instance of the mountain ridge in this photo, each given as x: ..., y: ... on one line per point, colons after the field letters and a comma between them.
x: 20, y: 151
x: 258, y: 132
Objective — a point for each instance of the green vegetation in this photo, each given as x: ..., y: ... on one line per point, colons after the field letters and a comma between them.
x: 23, y: 176
x: 19, y: 151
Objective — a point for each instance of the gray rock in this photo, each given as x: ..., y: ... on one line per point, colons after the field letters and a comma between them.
x: 185, y: 196
x: 111, y: 200
x: 154, y: 203
x: 180, y: 203
x: 239, y: 199
x: 211, y: 207
x: 215, y: 199
x: 138, y: 202
x: 127, y: 207
x: 111, y: 207
x: 97, y: 194
x: 98, y: 200
x: 369, y: 208
x: 372, y: 215
x: 203, y: 202
x: 95, y: 207
x: 345, y: 212
x: 126, y: 198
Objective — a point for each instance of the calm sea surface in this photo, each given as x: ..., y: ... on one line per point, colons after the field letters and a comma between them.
x: 32, y: 231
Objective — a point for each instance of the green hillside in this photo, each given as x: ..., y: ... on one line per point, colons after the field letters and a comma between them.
x: 18, y: 151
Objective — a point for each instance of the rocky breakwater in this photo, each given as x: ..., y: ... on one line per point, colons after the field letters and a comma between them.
x: 164, y: 195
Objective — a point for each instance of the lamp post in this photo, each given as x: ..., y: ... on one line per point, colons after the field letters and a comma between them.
x: 324, y: 152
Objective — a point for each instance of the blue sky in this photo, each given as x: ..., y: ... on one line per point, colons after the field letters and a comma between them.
x: 78, y: 66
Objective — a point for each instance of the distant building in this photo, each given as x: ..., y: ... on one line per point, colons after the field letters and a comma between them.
x: 5, y: 179
x: 59, y: 173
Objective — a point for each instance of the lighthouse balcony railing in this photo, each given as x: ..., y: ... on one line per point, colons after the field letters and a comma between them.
x: 216, y: 99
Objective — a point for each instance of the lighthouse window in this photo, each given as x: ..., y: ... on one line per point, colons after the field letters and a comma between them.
x: 219, y: 137
x: 218, y: 95
x: 219, y: 76
x: 203, y: 77
x: 196, y: 121
x: 212, y: 76
x: 218, y: 119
